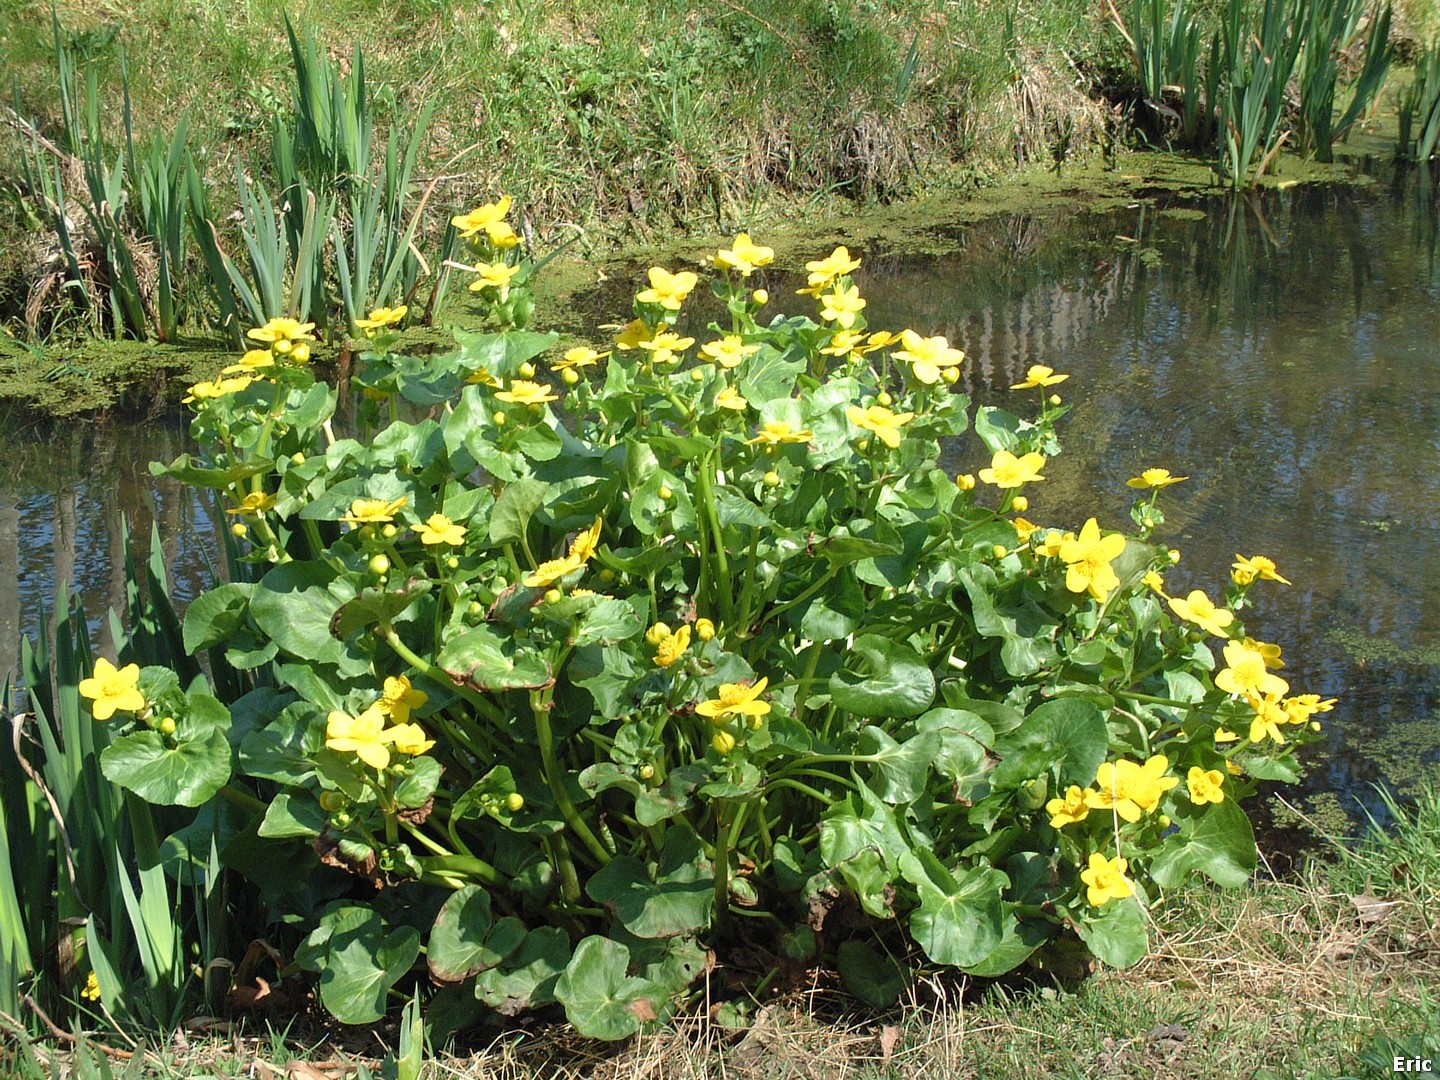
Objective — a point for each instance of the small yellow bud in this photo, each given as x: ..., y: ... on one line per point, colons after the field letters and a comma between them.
x: 1001, y: 551
x: 697, y: 375
x: 607, y: 575
x: 499, y: 419
x: 723, y: 742
x: 665, y: 492
x: 379, y: 564
x: 527, y: 370
x: 1020, y: 503
x: 389, y: 532
x: 950, y: 375
x: 477, y: 608
x: 657, y: 633
x: 760, y: 296
x: 863, y: 444
x: 1314, y: 725
x: 704, y: 629
x: 553, y: 596
x: 965, y: 482
x: 570, y: 376
x: 884, y: 398
x: 282, y: 346
x: 331, y: 801
x: 1164, y: 821
x: 1054, y: 399
x: 647, y: 772
x: 167, y: 726
x: 452, y: 563
x: 300, y: 353
x: 240, y: 529
x: 772, y: 479
x: 515, y: 802
x: 1174, y: 555
x: 297, y: 458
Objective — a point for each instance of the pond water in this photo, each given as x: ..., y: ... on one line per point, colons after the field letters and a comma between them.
x: 1281, y: 350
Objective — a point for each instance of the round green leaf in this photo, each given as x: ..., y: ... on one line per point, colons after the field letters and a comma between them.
x: 359, y: 962
x: 897, y: 682
x: 1215, y: 839
x: 466, y: 941
x: 187, y: 775
x: 599, y: 998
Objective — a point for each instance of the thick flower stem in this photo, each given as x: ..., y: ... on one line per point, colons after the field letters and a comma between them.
x: 554, y: 776
x: 462, y: 865
x: 705, y: 479
x: 722, y: 861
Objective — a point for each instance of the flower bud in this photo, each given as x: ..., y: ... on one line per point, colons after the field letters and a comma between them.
x: 1174, y: 555
x: 760, y: 296
x: 331, y: 801
x: 697, y: 375
x: 965, y: 482
x: 300, y: 353
x: 1020, y: 503
x: 950, y: 375
x: 499, y: 418
x: 704, y: 629
x: 1164, y: 821
x: 553, y: 596
x: 570, y: 376
x: 379, y: 564
x: 657, y: 633
x: 240, y: 529
x: 297, y: 458
x: 723, y: 742
x: 607, y: 575
x: 527, y: 370
x: 515, y: 802
x: 772, y: 479
x: 1001, y: 551
x: 665, y: 492
x: 167, y: 726
x: 647, y: 772
x: 1054, y: 399
x: 282, y: 346
x: 452, y: 563
x: 884, y: 398
x: 389, y: 532
x: 476, y: 608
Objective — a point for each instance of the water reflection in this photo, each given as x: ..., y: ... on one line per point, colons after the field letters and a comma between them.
x: 1281, y: 349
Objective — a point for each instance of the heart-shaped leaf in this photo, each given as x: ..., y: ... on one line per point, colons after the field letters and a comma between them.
x: 896, y: 681
x: 676, y: 899
x: 466, y: 940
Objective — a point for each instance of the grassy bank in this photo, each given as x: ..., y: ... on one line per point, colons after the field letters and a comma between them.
x: 1330, y: 972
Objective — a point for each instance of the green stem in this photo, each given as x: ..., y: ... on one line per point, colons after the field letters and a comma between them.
x: 705, y: 478
x: 812, y: 664
x: 1151, y: 699
x: 540, y: 708
x: 242, y: 799
x: 815, y: 586
x: 463, y: 866
x: 722, y: 862
x: 803, y: 788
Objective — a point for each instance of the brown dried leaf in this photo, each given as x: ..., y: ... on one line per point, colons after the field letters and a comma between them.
x: 889, y: 1038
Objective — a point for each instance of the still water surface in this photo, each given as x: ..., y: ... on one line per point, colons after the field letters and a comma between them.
x: 1282, y: 351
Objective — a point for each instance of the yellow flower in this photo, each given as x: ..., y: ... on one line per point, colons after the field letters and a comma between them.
x: 1245, y: 673
x: 842, y: 305
x: 730, y: 398
x: 1105, y: 880
x: 374, y: 511
x: 1269, y: 716
x: 578, y: 357
x: 965, y: 481
x: 251, y: 362
x: 1201, y: 610
x: 1270, y: 652
x: 1224, y: 735
x: 91, y: 990
x: 1302, y: 707
x: 1088, y: 558
x: 1039, y: 375
x: 363, y: 735
x: 1153, y: 580
x: 844, y: 343
x: 744, y: 255
x: 880, y: 420
x: 1204, y: 785
x: 729, y: 352
x: 665, y: 346
x: 635, y: 333
x: 781, y: 431
x: 382, y: 317
x: 1131, y: 789
x: 494, y: 276
x: 489, y: 219
x: 547, y: 573
x: 1008, y: 471
x: 278, y: 330
x: 667, y: 289
x: 1257, y: 566
x: 1025, y: 529
x: 657, y: 633
x: 927, y: 356
x: 217, y: 388
x: 522, y: 392
x: 1154, y: 478
x: 736, y: 699
x: 1070, y: 809
x: 1051, y: 543
x: 584, y: 545
x: 822, y: 272
x: 255, y: 502
x: 399, y: 698
x: 1234, y: 768
x: 439, y: 529
x: 704, y: 629
x: 672, y: 647
x: 110, y: 689
x: 410, y: 739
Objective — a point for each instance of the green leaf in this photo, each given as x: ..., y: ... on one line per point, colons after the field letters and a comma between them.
x: 501, y: 354
x: 958, y: 926
x: 998, y: 429
x: 608, y: 621
x: 900, y: 768
x: 215, y: 616
x: 513, y: 510
x: 293, y: 815
x: 1017, y: 941
x: 963, y: 738
x: 189, y: 774
x: 295, y: 606
x: 677, y: 899
x: 486, y: 660
x: 844, y: 832
x: 1071, y: 729
x: 358, y: 961
x: 465, y: 940
x: 600, y: 1000
x: 898, y: 683
x: 1117, y: 936
x: 277, y: 751
x: 526, y: 979
x: 843, y: 550
x: 419, y: 783
x: 1026, y: 632
x: 199, y: 476
x: 871, y: 976
x: 1216, y: 839
x: 769, y: 375
x: 375, y: 606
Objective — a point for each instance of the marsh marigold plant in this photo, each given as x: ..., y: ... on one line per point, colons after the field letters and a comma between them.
x: 593, y: 662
